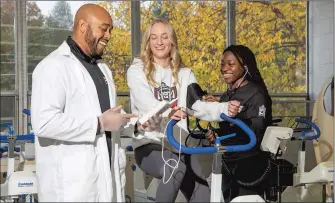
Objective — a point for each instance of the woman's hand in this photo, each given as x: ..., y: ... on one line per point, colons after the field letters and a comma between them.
x: 211, y: 136
x: 209, y: 98
x: 153, y: 124
x: 233, y: 108
x: 177, y: 113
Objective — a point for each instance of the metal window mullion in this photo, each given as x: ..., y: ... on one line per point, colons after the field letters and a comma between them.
x: 135, y: 28
x: 21, y: 64
x: 231, y: 22
x: 308, y: 59
x: 24, y: 66
x: 17, y: 65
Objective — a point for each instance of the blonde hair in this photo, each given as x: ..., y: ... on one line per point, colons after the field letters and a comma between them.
x: 147, y: 56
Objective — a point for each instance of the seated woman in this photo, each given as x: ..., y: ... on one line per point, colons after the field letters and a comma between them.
x: 244, y: 173
x: 160, y: 75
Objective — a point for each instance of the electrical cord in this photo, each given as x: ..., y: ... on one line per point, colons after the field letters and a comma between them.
x: 252, y: 183
x: 172, y: 160
x: 200, y: 136
x: 166, y: 162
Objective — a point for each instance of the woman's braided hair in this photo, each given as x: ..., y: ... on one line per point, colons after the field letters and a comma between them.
x: 246, y: 58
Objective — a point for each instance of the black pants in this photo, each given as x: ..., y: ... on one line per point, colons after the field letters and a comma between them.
x: 188, y: 177
x: 246, y: 171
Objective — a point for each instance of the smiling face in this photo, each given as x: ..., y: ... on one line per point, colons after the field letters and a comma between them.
x: 97, y: 35
x: 159, y: 42
x: 231, y: 69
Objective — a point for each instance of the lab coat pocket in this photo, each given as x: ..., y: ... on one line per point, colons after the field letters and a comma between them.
x: 80, y: 173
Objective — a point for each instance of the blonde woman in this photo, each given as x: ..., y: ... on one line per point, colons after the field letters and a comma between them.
x: 159, y: 75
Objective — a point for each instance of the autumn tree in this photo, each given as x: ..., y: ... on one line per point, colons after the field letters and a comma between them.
x: 7, y: 12
x: 61, y: 16
x: 275, y: 32
x: 34, y: 18
x: 34, y: 14
x: 7, y: 67
x: 42, y: 40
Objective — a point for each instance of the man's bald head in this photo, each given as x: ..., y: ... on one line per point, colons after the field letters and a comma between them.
x: 92, y: 27
x: 91, y: 12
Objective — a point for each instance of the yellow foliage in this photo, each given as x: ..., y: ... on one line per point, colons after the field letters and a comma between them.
x: 275, y: 32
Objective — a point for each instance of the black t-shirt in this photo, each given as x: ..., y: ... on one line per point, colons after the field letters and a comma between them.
x: 98, y: 78
x: 256, y: 113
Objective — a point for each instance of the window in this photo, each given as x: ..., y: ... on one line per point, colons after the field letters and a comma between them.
x: 118, y: 51
x: 7, y: 67
x: 201, y: 32
x: 50, y: 23
x: 7, y: 111
x: 7, y: 47
x: 276, y: 33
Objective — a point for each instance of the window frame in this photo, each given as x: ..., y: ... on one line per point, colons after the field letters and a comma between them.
x: 22, y: 94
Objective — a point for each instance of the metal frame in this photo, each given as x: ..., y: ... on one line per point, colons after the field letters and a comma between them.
x: 21, y: 63
x: 135, y: 28
x: 308, y: 60
x: 231, y: 22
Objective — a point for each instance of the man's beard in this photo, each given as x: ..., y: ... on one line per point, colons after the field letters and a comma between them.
x: 92, y: 43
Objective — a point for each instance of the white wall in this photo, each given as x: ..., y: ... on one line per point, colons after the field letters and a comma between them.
x: 321, y: 44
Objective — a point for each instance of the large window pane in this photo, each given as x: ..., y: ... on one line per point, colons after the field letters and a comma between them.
x: 7, y: 114
x: 276, y: 33
x: 49, y: 23
x: 7, y: 57
x: 53, y: 21
x: 289, y: 109
x: 201, y: 32
x: 118, y: 51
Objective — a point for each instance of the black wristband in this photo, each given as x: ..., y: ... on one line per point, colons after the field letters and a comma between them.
x: 135, y: 129
x: 98, y: 128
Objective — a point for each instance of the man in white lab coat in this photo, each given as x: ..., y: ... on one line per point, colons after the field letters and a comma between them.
x: 75, y: 118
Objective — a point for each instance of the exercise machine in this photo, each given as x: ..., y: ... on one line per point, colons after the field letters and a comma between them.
x: 217, y: 150
x: 145, y: 186
x: 309, y: 186
x: 20, y: 183
x: 274, y: 141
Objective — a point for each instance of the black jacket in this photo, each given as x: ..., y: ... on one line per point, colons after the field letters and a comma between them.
x: 256, y: 113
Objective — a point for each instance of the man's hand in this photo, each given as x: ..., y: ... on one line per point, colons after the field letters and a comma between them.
x: 153, y: 124
x: 177, y: 113
x: 113, y: 120
x: 233, y: 108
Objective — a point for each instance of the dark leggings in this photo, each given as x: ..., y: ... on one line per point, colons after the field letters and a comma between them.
x: 245, y: 170
x: 188, y: 177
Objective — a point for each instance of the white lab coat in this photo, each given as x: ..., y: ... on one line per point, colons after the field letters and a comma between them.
x: 71, y: 160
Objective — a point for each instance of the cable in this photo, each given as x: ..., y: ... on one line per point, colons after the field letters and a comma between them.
x: 179, y: 151
x: 201, y: 135
x: 252, y: 183
x: 179, y: 154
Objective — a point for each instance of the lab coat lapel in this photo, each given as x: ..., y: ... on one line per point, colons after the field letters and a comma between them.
x: 111, y: 86
x: 117, y: 152
x: 86, y: 84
